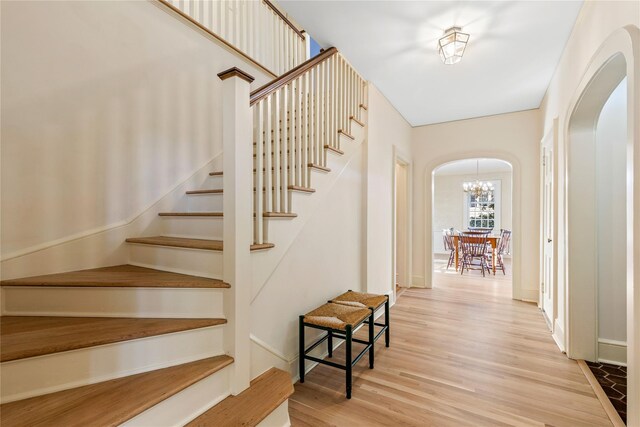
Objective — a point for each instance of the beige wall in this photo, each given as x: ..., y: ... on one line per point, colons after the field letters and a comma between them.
x: 106, y: 106
x: 611, y: 138
x: 450, y: 202
x: 596, y: 22
x: 389, y: 135
x: 512, y: 137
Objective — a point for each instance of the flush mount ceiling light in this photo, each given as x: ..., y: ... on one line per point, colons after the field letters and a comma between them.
x: 451, y: 46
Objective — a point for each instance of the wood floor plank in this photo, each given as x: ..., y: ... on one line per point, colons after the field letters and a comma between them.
x: 119, y: 276
x: 266, y: 393
x: 28, y: 336
x: 108, y: 403
x: 462, y: 353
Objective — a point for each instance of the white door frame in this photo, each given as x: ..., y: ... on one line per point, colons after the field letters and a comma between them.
x: 617, y: 57
x: 403, y: 159
x: 516, y: 212
x: 549, y: 141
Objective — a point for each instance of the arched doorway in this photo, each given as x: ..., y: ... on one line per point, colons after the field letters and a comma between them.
x: 516, y: 206
x: 610, y: 66
x: 456, y: 210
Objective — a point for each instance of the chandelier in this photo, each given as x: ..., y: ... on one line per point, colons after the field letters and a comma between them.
x: 451, y: 46
x: 478, y: 188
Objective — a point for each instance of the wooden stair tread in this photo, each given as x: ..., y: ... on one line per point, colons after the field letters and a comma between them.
x: 253, y: 405
x: 333, y: 149
x: 364, y: 107
x: 109, y: 403
x: 212, y: 191
x: 355, y: 119
x: 319, y: 167
x: 262, y: 246
x: 182, y: 242
x: 119, y: 276
x: 348, y: 135
x: 218, y: 214
x: 30, y: 336
x: 302, y: 189
x: 179, y: 242
x: 216, y: 173
x: 279, y: 215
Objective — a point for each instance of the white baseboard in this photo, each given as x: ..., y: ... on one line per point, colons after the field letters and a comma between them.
x: 418, y: 282
x: 558, y: 336
x: 530, y: 295
x: 612, y: 352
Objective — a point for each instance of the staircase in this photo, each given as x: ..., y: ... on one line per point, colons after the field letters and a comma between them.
x: 163, y: 339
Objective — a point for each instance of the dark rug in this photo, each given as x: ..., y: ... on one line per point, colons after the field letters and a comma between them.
x: 613, y: 380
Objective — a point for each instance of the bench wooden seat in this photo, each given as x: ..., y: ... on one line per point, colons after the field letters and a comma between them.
x: 336, y: 316
x: 372, y: 302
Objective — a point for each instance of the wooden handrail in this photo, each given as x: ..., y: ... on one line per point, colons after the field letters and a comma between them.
x: 284, y: 18
x: 290, y: 75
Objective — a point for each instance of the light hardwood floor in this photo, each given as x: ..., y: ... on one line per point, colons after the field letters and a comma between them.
x: 462, y: 354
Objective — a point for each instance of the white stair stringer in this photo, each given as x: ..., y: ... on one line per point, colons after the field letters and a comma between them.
x: 196, y: 262
x: 187, y: 404
x: 105, y: 245
x: 283, y: 232
x: 113, y: 302
x: 35, y: 376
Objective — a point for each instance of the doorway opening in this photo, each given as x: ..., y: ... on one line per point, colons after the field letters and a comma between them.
x: 456, y: 212
x: 598, y: 226
x: 401, y: 214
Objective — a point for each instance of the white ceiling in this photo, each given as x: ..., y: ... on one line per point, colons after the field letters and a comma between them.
x: 511, y: 56
x: 468, y: 167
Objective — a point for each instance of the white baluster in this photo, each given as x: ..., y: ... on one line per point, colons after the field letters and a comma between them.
x: 322, y: 112
x: 299, y: 128
x: 317, y: 118
x: 284, y: 146
x: 293, y: 123
x: 275, y: 173
x: 268, y: 152
x: 259, y: 140
x: 306, y: 130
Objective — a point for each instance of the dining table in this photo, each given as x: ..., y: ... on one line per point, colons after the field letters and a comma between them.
x: 492, y: 239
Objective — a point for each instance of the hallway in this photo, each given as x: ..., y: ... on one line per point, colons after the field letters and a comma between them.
x: 462, y: 354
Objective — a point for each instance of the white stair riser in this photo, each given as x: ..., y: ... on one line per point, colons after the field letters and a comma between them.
x: 205, y: 202
x: 197, y: 262
x: 279, y: 417
x: 186, y: 405
x: 195, y: 227
x: 35, y: 376
x: 113, y: 302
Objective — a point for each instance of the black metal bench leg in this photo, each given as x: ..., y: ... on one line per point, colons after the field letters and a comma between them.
x: 301, y: 349
x: 330, y: 344
x: 387, y: 333
x: 348, y: 364
x: 371, y: 340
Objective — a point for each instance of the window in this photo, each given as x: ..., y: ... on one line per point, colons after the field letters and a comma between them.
x: 483, y: 211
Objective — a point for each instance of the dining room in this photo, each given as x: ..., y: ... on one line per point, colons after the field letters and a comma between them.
x: 472, y: 224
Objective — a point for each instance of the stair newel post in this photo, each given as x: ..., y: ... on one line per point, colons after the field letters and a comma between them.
x: 237, y: 128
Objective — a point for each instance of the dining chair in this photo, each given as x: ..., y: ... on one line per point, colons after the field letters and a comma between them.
x: 474, y: 247
x: 447, y: 238
x: 503, y: 245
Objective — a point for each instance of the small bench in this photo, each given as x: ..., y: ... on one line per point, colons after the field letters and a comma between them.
x: 339, y: 318
x: 339, y: 321
x: 372, y: 302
